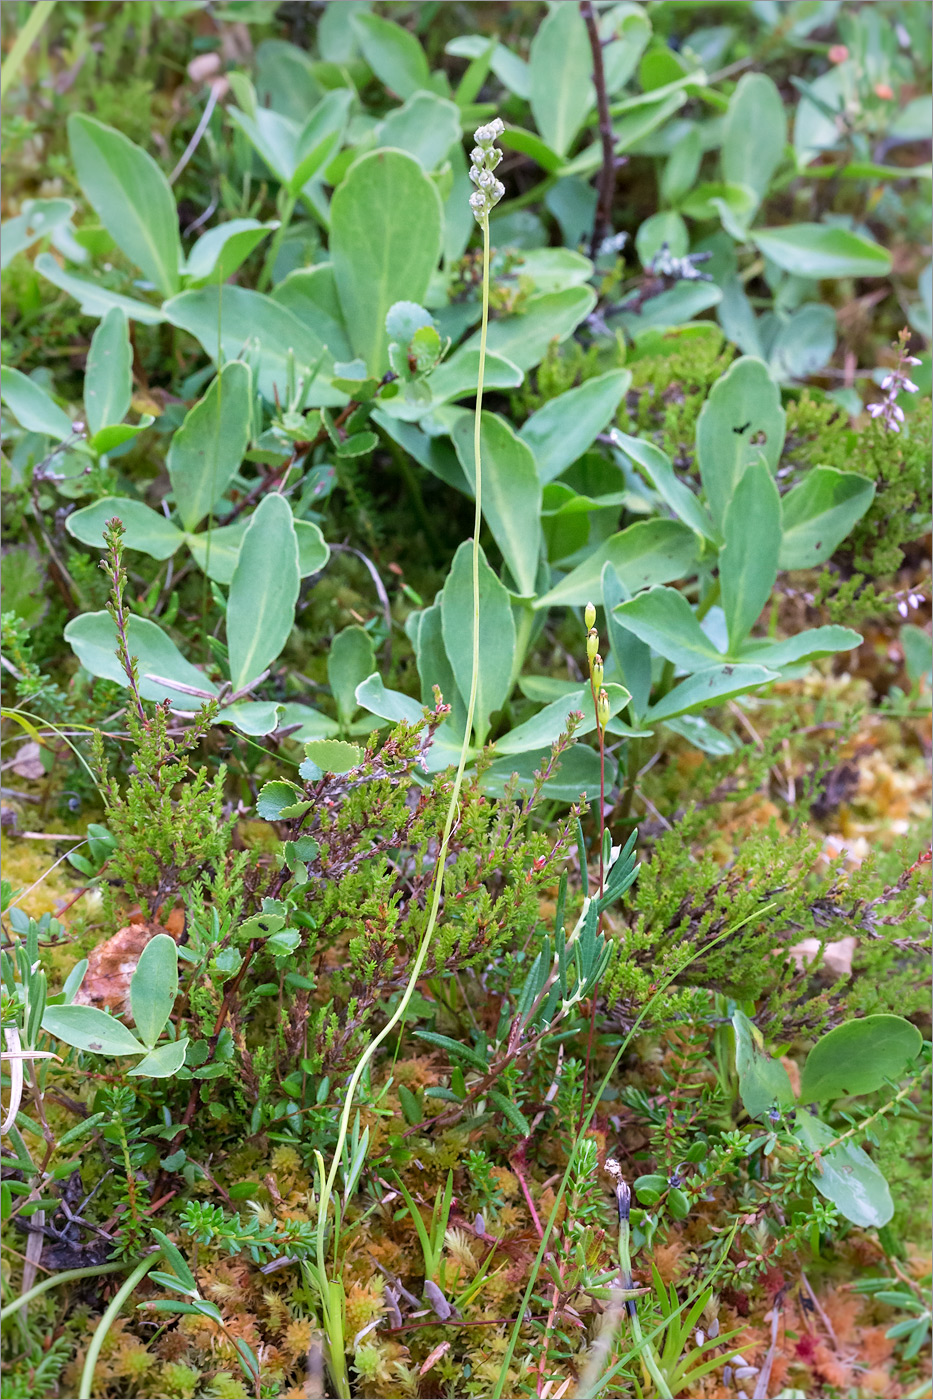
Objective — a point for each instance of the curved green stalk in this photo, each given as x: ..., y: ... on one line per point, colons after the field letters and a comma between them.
x: 327, y: 1186
x: 645, y: 1349
x: 103, y: 1327
x: 69, y: 1276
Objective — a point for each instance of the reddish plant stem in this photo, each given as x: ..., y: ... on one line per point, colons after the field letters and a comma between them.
x: 607, y: 174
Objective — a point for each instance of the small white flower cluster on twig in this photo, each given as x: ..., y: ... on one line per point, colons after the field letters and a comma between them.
x: 484, y: 158
x: 888, y: 409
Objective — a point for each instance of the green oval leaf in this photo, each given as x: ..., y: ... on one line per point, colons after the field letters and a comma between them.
x: 93, y: 638
x: 131, y: 197
x: 108, y: 378
x: 847, y: 1176
x: 820, y: 250
x: 741, y: 422
x: 145, y: 529
x: 388, y: 191
x: 566, y: 426
x: 511, y: 493
x: 88, y: 1028
x: 207, y: 450
x: 858, y: 1057
x: 162, y: 1062
x: 33, y: 408
x: 153, y: 987
x: 496, y: 635
x: 264, y: 591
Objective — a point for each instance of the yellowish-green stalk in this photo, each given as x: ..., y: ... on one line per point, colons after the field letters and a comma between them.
x: 327, y: 1183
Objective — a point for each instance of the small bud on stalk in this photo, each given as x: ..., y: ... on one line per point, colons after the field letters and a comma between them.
x: 485, y: 157
x: 589, y: 616
x: 602, y: 709
x: 596, y: 671
x: 592, y: 644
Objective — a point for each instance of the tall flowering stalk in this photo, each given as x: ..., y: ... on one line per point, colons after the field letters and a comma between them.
x: 489, y: 190
x: 889, y: 410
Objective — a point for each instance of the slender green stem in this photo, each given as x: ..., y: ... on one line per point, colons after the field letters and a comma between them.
x: 103, y: 1327
x: 68, y: 1276
x: 327, y: 1186
x: 24, y: 41
x: 646, y: 1350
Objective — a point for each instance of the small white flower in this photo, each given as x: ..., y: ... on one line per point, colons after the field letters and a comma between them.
x: 476, y: 155
x: 910, y: 386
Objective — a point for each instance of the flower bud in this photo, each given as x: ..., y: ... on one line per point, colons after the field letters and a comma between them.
x: 592, y: 644
x: 596, y: 671
x: 602, y: 709
x: 589, y: 616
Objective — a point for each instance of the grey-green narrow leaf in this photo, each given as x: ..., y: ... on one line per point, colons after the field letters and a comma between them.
x: 131, y: 196
x: 511, y: 493
x: 748, y: 560
x: 818, y: 514
x: 88, y: 1028
x: 755, y: 133
x: 386, y: 223
x: 565, y: 427
x: 349, y: 661
x: 264, y: 591
x: 561, y: 86
x: 763, y: 1081
x: 153, y: 987
x: 741, y: 421
x: 208, y: 448
x: 496, y: 635
x: 108, y: 378
x: 31, y: 405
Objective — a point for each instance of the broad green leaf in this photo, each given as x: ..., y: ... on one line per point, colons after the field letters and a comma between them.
x: 395, y: 56
x: 32, y: 407
x: 496, y: 635
x: 567, y: 425
x: 846, y: 1175
x: 106, y: 439
x: 710, y: 687
x: 546, y: 726
x: 455, y: 378
x: 555, y: 269
x: 858, y: 1057
x: 388, y: 704
x: 673, y: 491
x: 313, y: 550
x: 285, y: 78
x: 818, y: 514
x: 350, y: 660
x: 806, y: 646
x: 279, y: 800
x: 274, y: 136
x: 434, y: 666
x: 511, y: 493
x: 516, y: 138
x: 625, y: 30
x: 93, y: 639
x: 741, y: 421
x: 389, y: 192
x: 154, y: 986
x: 682, y: 167
x: 425, y: 127
x: 222, y: 250
x: 320, y: 136
x: 264, y: 591
x: 334, y: 755
x: 667, y: 226
x: 131, y: 196
x: 511, y: 70
x: 804, y: 342
x: 336, y: 36
x: 763, y: 1081
x: 648, y: 552
x: 207, y: 450
x: 546, y: 317
x: 88, y: 1028
x: 631, y: 655
x: 664, y: 620
x: 216, y: 550
x: 94, y: 299
x: 108, y: 378
x: 821, y: 250
x: 164, y: 1061
x: 748, y: 560
x: 254, y: 717
x: 146, y: 530
x: 561, y: 88
x: 754, y: 134
x: 250, y: 326
x: 578, y: 773
x: 678, y: 306
x: 310, y: 293
x: 39, y: 218
x: 817, y: 123
x: 435, y: 454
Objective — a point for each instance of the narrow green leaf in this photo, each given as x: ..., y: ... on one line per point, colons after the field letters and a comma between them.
x: 388, y: 191
x: 566, y: 426
x: 455, y: 1048
x: 496, y: 635
x: 754, y: 134
x: 108, y: 378
x: 31, y: 405
x: 822, y: 250
x: 511, y: 493
x: 748, y: 560
x: 154, y: 986
x: 818, y: 514
x: 207, y: 450
x: 349, y: 661
x: 88, y: 1028
x: 264, y: 591
x: 561, y: 88
x: 741, y: 422
x: 664, y: 620
x: 510, y: 1111
x: 131, y: 196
